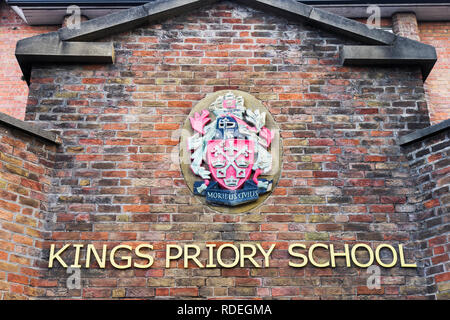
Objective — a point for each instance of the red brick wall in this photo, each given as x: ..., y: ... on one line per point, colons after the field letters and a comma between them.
x: 25, y: 163
x: 13, y: 90
x: 344, y: 177
x: 429, y: 159
x: 437, y: 85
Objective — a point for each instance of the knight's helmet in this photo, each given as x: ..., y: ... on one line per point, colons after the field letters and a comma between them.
x: 226, y: 128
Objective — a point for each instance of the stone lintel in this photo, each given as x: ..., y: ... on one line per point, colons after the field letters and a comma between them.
x: 424, y: 133
x: 48, y: 48
x: 29, y: 128
x: 325, y: 20
x: 128, y: 19
x: 403, y: 52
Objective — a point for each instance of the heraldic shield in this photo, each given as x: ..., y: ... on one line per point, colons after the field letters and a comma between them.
x: 229, y: 151
x: 230, y: 161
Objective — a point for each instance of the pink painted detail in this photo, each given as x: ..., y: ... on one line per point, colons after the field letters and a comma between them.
x: 206, y: 182
x: 256, y: 175
x: 229, y: 104
x: 267, y: 135
x: 264, y: 132
x: 228, y: 162
x: 241, y: 122
x: 198, y: 121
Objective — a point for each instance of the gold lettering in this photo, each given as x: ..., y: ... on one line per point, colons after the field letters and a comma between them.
x: 211, y: 256
x: 403, y: 264
x: 127, y: 258
x: 143, y: 255
x: 297, y: 255
x: 169, y: 257
x: 378, y: 258
x: 248, y: 256
x: 353, y: 253
x: 345, y: 254
x: 101, y: 262
x: 311, y: 256
x: 76, y: 260
x: 193, y: 257
x: 56, y: 256
x: 219, y: 256
x: 266, y: 254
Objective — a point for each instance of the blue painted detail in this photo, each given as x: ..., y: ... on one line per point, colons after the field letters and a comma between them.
x: 214, y: 194
x: 227, y: 128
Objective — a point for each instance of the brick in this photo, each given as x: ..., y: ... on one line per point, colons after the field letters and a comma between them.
x: 18, y: 278
x: 375, y: 158
x: 291, y: 96
x: 437, y: 241
x: 382, y: 208
x: 431, y: 203
x: 8, y: 267
x: 166, y: 126
x: 442, y: 277
x: 316, y: 236
x: 118, y: 293
x: 96, y: 293
x: 363, y: 290
x: 43, y: 283
x: 162, y: 292
x: 285, y: 291
x: 11, y: 160
x: 184, y: 292
x: 320, y: 218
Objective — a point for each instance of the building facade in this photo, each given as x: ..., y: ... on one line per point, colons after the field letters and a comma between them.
x: 362, y: 121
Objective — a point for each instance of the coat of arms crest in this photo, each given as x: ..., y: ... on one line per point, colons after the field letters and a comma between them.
x: 230, y: 152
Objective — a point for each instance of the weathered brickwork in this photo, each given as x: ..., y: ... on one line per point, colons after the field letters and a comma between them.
x: 344, y: 178
x: 13, y: 90
x: 429, y: 159
x: 405, y: 25
x: 437, y: 86
x: 25, y: 176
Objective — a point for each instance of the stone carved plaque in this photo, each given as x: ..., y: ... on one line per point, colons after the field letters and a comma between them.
x: 230, y: 151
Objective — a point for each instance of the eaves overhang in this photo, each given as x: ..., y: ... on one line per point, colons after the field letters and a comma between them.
x: 52, y: 12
